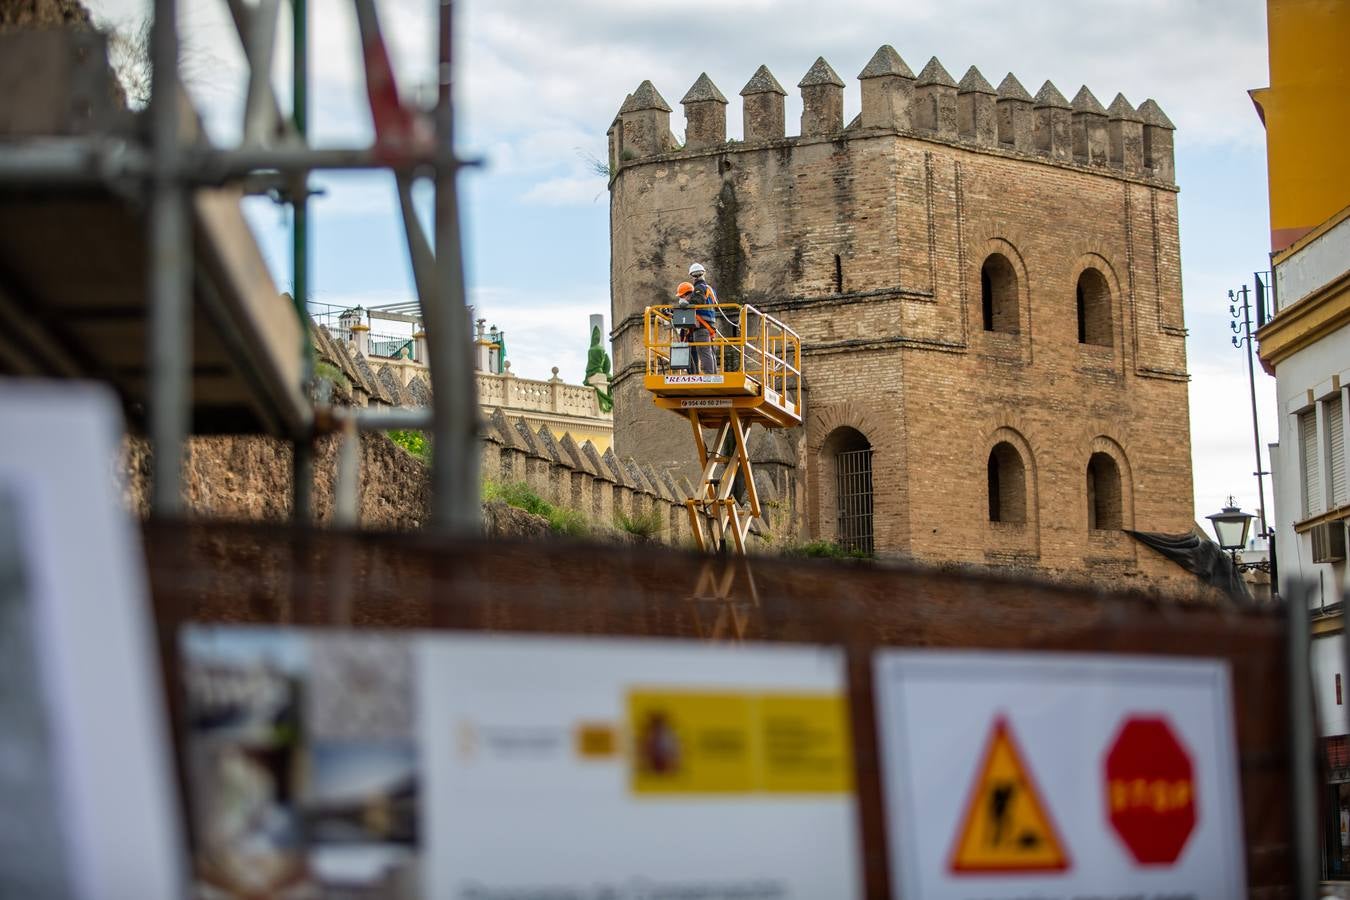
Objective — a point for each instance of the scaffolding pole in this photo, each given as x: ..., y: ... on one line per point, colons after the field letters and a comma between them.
x: 302, y: 454
x: 455, y: 463
x: 170, y: 272
x: 164, y: 171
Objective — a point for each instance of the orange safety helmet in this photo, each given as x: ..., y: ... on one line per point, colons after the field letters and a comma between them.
x: 684, y: 288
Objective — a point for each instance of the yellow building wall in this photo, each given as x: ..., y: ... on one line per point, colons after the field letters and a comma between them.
x: 1306, y: 111
x: 601, y: 439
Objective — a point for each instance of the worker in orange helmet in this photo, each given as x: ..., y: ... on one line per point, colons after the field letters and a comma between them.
x: 703, y: 359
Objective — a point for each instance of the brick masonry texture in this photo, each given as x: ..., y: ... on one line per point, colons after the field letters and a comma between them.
x: 898, y: 350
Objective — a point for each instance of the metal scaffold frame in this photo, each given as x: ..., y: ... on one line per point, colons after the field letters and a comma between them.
x: 714, y: 513
x: 165, y: 170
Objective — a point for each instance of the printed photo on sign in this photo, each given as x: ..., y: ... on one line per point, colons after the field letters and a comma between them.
x: 302, y: 761
x: 1058, y: 776
x: 636, y: 769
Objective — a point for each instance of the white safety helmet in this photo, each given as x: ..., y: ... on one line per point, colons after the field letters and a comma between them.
x: 697, y: 270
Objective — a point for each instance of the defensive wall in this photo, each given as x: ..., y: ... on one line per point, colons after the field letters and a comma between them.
x: 988, y: 287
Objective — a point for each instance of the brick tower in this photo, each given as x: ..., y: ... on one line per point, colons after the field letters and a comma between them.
x: 988, y: 288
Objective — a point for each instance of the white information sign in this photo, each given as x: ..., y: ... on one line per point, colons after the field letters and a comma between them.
x: 1059, y: 776
x: 627, y: 770
x: 473, y: 767
x: 89, y: 808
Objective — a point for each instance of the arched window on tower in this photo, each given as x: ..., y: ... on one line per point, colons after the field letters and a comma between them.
x: 998, y: 294
x: 1104, y: 497
x: 1007, y: 485
x: 1094, y: 309
x: 849, y: 454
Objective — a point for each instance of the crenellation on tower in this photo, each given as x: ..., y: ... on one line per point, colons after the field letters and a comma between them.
x: 932, y: 106
x: 705, y: 113
x: 762, y: 107
x: 614, y: 136
x: 1014, y: 104
x: 1052, y: 123
x: 1125, y: 130
x: 1090, y: 144
x: 645, y: 118
x: 887, y: 91
x: 977, y: 120
x: 1157, y: 140
x: 935, y: 96
x: 822, y: 100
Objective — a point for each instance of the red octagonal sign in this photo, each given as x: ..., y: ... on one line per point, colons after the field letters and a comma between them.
x: 1150, y: 790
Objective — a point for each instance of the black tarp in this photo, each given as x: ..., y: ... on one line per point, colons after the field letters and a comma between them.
x: 1196, y: 553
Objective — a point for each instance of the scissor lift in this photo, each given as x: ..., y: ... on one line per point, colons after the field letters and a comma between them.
x: 757, y: 379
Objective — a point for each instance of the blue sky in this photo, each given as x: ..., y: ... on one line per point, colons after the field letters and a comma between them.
x: 539, y: 82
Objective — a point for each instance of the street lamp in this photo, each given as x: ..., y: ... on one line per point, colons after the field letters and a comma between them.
x: 1230, y: 527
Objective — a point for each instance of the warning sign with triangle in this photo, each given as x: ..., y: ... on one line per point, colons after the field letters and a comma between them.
x: 1007, y: 825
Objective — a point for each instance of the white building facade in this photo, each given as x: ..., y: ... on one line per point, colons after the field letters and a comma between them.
x: 1307, y: 344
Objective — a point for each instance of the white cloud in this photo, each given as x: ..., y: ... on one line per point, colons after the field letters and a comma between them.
x: 577, y: 60
x: 526, y: 66
x: 572, y: 190
x: 544, y: 330
x: 1221, y: 434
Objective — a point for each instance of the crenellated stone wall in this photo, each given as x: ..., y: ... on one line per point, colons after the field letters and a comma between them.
x: 248, y: 478
x: 600, y: 486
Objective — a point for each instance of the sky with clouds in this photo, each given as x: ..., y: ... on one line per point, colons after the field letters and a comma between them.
x: 538, y: 83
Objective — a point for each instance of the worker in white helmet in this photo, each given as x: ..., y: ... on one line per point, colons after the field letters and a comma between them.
x: 704, y: 295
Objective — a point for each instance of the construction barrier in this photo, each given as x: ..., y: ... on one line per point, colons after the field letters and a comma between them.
x: 206, y: 576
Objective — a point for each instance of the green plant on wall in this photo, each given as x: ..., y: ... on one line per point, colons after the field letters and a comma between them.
x: 330, y: 372
x: 415, y: 442
x: 561, y: 520
x: 644, y: 525
x: 824, y: 550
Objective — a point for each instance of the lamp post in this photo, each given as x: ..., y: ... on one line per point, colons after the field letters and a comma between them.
x: 1230, y: 527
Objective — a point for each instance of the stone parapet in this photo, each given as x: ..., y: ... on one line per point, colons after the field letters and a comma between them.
x: 931, y: 106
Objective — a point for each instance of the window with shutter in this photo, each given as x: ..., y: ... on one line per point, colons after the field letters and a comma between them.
x: 1340, y: 490
x: 1312, y: 494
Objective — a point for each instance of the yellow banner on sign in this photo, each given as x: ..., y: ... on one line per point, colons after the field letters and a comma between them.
x: 695, y: 743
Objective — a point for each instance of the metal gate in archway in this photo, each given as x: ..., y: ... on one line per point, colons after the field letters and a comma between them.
x: 853, y: 474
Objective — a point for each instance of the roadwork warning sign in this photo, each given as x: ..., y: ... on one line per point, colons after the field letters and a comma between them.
x: 1006, y: 827
x: 1058, y: 776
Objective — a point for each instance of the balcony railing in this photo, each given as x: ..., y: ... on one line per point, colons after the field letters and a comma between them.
x: 558, y: 397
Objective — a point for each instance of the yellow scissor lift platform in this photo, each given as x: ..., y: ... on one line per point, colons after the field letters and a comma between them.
x: 757, y: 378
